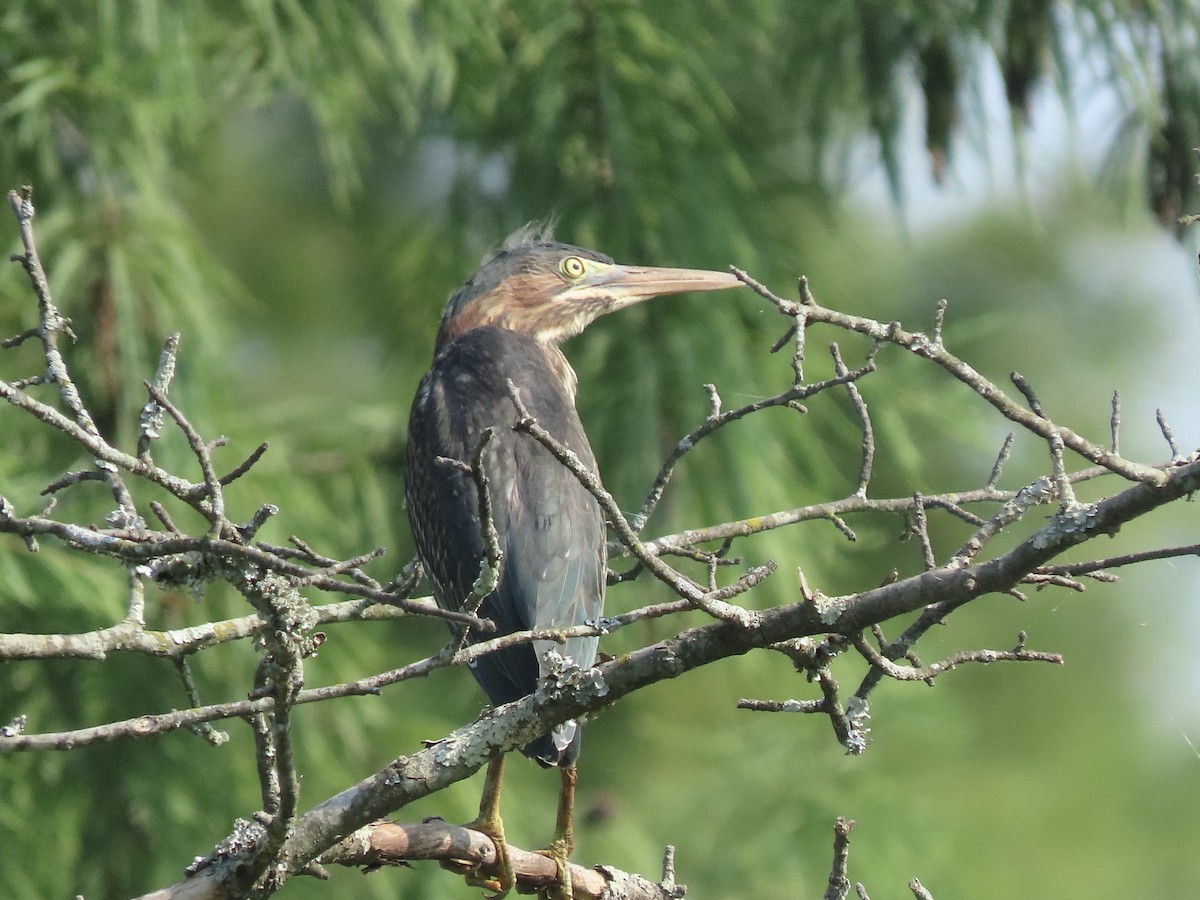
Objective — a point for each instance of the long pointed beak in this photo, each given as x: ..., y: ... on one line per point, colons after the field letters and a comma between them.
x: 629, y: 284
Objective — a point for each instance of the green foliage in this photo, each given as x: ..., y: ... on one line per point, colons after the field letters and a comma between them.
x: 296, y: 188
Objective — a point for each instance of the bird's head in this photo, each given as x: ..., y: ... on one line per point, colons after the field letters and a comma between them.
x: 552, y: 291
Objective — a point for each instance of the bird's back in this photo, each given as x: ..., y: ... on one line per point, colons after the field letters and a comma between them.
x: 550, y: 528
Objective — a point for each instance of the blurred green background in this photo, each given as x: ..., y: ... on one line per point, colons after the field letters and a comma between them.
x: 297, y: 188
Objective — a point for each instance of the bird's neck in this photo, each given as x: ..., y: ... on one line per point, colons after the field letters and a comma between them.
x: 561, y: 368
x: 556, y: 361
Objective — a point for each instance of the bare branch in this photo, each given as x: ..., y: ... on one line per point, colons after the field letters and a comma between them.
x: 921, y: 528
x: 1114, y: 422
x: 1002, y: 458
x: 214, y: 508
x: 457, y: 848
x: 922, y: 346
x: 203, y: 729
x: 1168, y: 435
x: 1062, y: 483
x: 18, y: 339
x: 98, y: 447
x: 928, y: 673
x: 939, y: 321
x: 839, y: 882
x: 832, y: 511
x: 799, y: 335
x: 716, y: 421
x: 192, y: 560
x: 244, y: 467
x: 1112, y: 562
x: 130, y: 636
x: 53, y: 324
x: 163, y: 723
x: 493, y: 556
x: 782, y: 706
x: 151, y: 419
x: 864, y: 418
x: 1012, y: 511
x: 462, y: 849
x: 1026, y: 390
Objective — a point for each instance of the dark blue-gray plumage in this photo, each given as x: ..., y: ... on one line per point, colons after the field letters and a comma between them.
x: 504, y: 325
x: 550, y: 529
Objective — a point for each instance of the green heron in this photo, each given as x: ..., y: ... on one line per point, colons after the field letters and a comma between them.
x: 504, y: 325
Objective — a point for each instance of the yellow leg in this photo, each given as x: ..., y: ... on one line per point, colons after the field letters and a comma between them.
x: 501, y: 880
x: 563, y: 845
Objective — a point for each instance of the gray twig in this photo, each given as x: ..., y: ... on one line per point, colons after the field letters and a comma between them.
x: 151, y: 419
x: 1168, y: 435
x: 1114, y: 422
x: 1001, y: 459
x: 839, y: 881
x: 864, y: 418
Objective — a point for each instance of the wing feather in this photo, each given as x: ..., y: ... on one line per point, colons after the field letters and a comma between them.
x: 551, y: 529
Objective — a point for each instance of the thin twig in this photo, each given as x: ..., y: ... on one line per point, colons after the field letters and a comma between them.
x: 151, y: 418
x: 1001, y: 459
x: 101, y: 449
x: 1026, y: 389
x: 1058, y: 469
x: 839, y: 881
x: 18, y: 339
x: 247, y: 530
x: 163, y: 516
x: 204, y: 730
x: 1168, y: 435
x: 163, y: 723
x: 920, y: 345
x: 1013, y: 510
x: 1114, y: 422
x: 1113, y: 562
x: 492, y: 562
x: 921, y: 527
x: 170, y: 552
x: 52, y: 325
x: 714, y: 423
x: 135, y: 612
x: 939, y: 321
x: 214, y: 494
x: 800, y: 336
x: 929, y: 672
x: 864, y: 418
x: 244, y: 467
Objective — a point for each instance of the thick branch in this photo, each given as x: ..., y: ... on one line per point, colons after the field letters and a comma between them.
x: 465, y: 750
x: 390, y: 843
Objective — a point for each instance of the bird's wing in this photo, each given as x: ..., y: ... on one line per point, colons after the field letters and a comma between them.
x: 554, y: 542
x: 550, y: 528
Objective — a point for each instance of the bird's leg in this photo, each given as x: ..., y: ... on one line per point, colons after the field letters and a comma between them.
x: 563, y: 845
x: 502, y: 879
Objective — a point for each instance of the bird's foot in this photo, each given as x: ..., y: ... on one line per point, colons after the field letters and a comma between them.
x: 497, y: 879
x: 559, y: 851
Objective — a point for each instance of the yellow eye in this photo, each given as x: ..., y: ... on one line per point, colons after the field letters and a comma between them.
x: 572, y: 267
